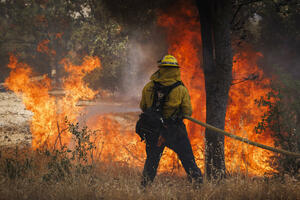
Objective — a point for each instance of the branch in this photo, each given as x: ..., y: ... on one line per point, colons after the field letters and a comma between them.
x: 132, y: 154
x: 18, y: 41
x: 249, y: 2
x: 58, y: 136
x: 239, y: 8
x: 235, y: 14
x: 251, y: 77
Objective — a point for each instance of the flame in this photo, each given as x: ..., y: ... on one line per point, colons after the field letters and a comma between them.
x: 40, y: 20
x: 116, y: 140
x: 119, y: 143
x: 49, y: 112
x: 58, y: 35
x: 243, y: 115
x: 184, y: 39
x: 43, y: 47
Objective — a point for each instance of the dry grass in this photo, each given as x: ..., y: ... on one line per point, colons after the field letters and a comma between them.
x: 117, y: 181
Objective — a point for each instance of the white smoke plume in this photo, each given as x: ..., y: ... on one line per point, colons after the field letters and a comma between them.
x: 142, y: 62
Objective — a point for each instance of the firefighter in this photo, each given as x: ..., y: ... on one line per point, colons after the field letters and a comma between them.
x: 174, y: 105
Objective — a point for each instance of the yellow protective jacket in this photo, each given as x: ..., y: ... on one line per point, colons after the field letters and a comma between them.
x: 178, y: 98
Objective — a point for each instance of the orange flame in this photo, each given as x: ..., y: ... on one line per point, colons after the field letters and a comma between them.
x: 116, y: 141
x: 58, y: 35
x: 184, y: 38
x: 43, y: 47
x: 48, y: 111
x: 119, y: 144
x: 243, y: 115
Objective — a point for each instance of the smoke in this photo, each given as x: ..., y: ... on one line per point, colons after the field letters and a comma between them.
x: 107, y: 107
x: 142, y: 62
x: 142, y: 57
x: 136, y: 74
x: 276, y: 36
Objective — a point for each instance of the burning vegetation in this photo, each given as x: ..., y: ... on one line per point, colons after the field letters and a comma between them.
x: 48, y: 111
x: 115, y: 143
x: 64, y: 133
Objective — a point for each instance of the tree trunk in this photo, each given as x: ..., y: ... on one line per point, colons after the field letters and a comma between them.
x: 217, y: 62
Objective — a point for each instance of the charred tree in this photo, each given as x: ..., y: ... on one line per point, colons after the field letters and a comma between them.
x: 215, y: 19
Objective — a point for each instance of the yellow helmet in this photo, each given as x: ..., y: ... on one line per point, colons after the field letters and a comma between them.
x: 168, y: 61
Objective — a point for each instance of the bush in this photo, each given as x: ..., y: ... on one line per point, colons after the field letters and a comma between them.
x: 73, y: 174
x: 283, y: 120
x: 58, y: 164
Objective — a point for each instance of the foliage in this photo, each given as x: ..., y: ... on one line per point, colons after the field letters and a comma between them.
x: 77, y: 28
x: 79, y: 158
x: 25, y: 24
x: 107, y: 42
x: 283, y: 120
x: 42, y: 33
x: 136, y: 17
x: 116, y: 182
x: 279, y: 38
x: 15, y: 166
x: 272, y: 28
x: 59, y: 164
x: 83, y: 150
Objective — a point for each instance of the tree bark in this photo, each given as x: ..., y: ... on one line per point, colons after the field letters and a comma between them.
x: 215, y: 16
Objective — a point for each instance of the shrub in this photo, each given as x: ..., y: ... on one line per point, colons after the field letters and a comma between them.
x: 53, y: 165
x: 283, y: 120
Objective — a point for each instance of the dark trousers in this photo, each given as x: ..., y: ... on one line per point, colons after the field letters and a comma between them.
x: 176, y: 138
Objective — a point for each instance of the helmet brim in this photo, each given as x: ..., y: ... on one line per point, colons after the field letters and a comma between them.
x: 174, y: 66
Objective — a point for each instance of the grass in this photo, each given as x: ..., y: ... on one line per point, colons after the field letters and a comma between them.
x: 25, y: 175
x: 73, y: 174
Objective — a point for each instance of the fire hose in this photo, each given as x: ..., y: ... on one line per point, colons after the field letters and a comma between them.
x: 245, y: 140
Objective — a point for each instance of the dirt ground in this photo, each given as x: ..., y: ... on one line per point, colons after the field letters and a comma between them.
x: 14, y: 120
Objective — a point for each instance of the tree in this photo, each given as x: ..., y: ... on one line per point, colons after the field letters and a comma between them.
x: 279, y: 41
x: 215, y: 17
x: 272, y: 28
x: 275, y: 33
x: 279, y: 38
x: 42, y: 33
x: 37, y: 31
x: 138, y: 21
